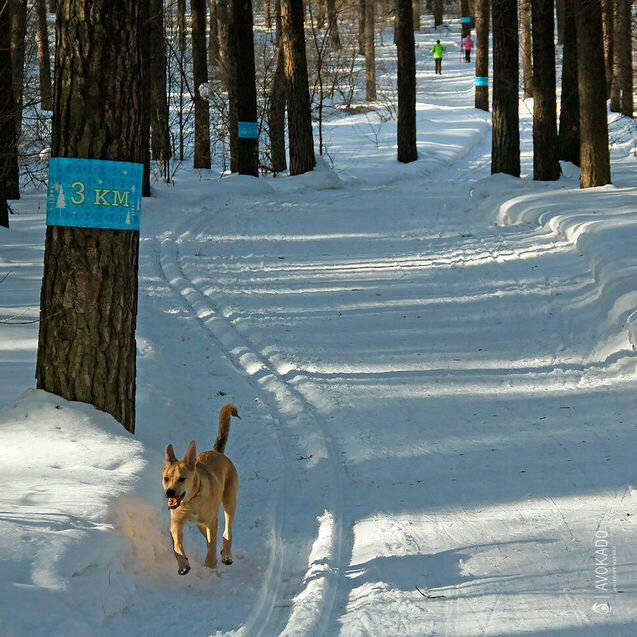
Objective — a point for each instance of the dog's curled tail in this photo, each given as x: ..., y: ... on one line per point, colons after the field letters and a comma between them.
x: 224, y: 426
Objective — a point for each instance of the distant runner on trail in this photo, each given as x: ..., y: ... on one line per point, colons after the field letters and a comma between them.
x: 438, y: 50
x: 467, y: 45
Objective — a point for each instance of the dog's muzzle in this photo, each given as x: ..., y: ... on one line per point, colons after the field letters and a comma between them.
x: 174, y: 502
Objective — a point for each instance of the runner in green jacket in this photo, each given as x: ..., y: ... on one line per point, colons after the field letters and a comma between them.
x: 438, y: 50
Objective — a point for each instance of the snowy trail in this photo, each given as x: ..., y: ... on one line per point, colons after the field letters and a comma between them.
x: 289, y: 304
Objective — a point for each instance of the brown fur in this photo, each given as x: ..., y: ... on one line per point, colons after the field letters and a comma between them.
x: 195, y: 488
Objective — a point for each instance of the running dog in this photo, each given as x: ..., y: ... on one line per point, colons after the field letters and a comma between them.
x: 195, y: 487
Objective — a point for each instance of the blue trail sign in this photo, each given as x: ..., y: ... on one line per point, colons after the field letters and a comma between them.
x: 94, y: 193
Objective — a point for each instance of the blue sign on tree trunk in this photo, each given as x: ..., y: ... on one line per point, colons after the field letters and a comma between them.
x: 94, y: 193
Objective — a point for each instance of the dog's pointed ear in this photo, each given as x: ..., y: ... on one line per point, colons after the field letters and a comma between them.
x: 190, y: 457
x: 170, y: 455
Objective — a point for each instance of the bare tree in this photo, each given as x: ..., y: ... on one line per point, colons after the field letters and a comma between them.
x: 46, y: 92
x: 505, y: 147
x: 482, y: 17
x: 546, y: 166
x: 298, y: 96
x: 88, y: 304
x: 594, y: 151
x: 370, y: 51
x: 526, y: 48
x: 200, y: 76
x: 7, y: 109
x: 407, y: 151
x: 568, y: 138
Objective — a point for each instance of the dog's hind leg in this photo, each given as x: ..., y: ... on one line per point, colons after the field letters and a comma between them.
x: 177, y: 535
x: 210, y: 533
x: 229, y: 508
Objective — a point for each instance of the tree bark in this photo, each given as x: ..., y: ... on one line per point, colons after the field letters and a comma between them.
x: 482, y: 15
x: 241, y: 45
x: 298, y: 95
x: 213, y: 37
x: 146, y: 95
x: 622, y: 76
x: 569, y: 138
x: 505, y: 147
x: 466, y: 13
x: 200, y: 76
x: 361, y: 27
x: 44, y: 61
x: 159, y: 100
x: 416, y: 13
x: 332, y: 21
x: 370, y: 52
x: 546, y: 166
x: 88, y: 305
x: 526, y: 48
x: 276, y: 119
x: 437, y: 10
x: 18, y: 15
x: 594, y: 151
x: 7, y: 111
x: 407, y: 151
x: 609, y: 8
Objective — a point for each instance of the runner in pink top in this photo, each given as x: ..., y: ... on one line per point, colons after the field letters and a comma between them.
x: 467, y: 45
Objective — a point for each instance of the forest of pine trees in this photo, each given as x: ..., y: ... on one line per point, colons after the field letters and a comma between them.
x: 241, y: 86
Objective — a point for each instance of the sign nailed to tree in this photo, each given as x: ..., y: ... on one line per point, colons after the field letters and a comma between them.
x: 93, y: 193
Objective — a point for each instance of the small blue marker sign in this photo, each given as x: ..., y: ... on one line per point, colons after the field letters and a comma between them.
x: 465, y: 20
x: 482, y: 81
x: 248, y: 130
x: 93, y: 193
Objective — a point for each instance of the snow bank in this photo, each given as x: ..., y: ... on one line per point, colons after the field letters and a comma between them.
x: 65, y: 464
x: 601, y: 223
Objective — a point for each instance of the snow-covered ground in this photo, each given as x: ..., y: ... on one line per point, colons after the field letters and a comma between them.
x: 436, y: 378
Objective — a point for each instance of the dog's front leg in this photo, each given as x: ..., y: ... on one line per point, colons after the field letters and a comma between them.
x: 177, y: 534
x: 210, y: 533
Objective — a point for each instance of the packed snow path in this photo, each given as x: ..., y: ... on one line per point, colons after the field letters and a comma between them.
x: 451, y: 437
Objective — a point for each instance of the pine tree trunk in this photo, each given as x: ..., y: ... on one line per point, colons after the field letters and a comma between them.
x: 159, y: 101
x: 88, y: 305
x: 608, y: 19
x: 505, y: 147
x: 335, y: 37
x: 370, y: 51
x: 298, y: 95
x: 213, y: 37
x: 44, y: 61
x: 568, y: 139
x: 594, y: 151
x: 7, y: 111
x: 482, y: 15
x: 466, y: 13
x: 559, y: 14
x: 241, y: 45
x: 407, y: 151
x: 181, y: 26
x: 267, y: 13
x: 546, y: 166
x: 526, y: 48
x: 18, y: 13
x: 361, y: 27
x: 200, y: 76
x: 416, y: 13
x: 623, y: 64
x: 276, y: 115
x: 146, y: 95
x: 437, y: 9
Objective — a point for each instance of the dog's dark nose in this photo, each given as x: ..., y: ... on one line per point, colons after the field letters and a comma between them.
x: 170, y: 493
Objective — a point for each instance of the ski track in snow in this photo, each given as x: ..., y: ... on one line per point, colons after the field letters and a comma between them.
x: 293, y: 414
